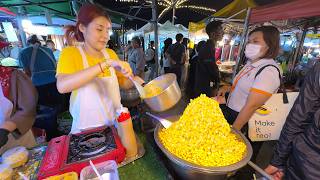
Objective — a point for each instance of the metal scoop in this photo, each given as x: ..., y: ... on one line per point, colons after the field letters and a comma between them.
x: 165, y: 123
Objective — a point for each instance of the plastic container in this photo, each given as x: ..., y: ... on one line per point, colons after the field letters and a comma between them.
x: 65, y: 176
x: 5, y: 172
x: 15, y: 157
x: 103, y: 168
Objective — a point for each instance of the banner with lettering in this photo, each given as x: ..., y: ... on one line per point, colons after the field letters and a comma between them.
x: 267, y: 122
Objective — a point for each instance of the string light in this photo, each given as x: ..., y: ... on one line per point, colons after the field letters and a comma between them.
x: 130, y: 1
x: 180, y: 4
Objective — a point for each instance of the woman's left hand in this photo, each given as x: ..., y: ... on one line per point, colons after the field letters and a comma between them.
x: 121, y: 66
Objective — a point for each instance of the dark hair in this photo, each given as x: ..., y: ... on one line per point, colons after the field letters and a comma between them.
x: 87, y: 13
x: 49, y: 41
x: 200, y: 45
x: 179, y: 37
x: 271, y: 36
x: 207, y: 51
x: 213, y: 26
x: 136, y: 40
x: 185, y: 42
x: 167, y: 43
x: 33, y: 39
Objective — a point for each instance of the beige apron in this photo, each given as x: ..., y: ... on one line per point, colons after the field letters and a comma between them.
x: 94, y: 104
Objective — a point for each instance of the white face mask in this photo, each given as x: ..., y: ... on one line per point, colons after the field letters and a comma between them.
x: 252, y: 51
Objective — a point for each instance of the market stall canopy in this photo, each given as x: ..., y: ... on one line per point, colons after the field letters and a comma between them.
x: 235, y: 7
x: 57, y: 8
x: 285, y: 10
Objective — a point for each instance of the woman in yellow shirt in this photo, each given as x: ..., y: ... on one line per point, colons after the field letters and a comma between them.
x: 89, y: 71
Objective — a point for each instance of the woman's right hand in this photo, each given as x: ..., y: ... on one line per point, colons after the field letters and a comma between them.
x: 121, y: 66
x: 223, y: 90
x: 275, y: 172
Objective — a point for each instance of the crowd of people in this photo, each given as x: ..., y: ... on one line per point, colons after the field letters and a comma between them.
x: 93, y: 75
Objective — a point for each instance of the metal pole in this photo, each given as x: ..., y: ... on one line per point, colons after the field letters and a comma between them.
x: 21, y: 32
x: 298, y: 50
x: 124, y: 46
x: 173, y: 12
x: 242, y: 44
x: 156, y: 39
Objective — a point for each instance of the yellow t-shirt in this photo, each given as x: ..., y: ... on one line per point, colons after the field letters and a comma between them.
x: 70, y: 62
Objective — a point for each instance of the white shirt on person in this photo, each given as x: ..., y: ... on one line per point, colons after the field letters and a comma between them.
x: 267, y: 82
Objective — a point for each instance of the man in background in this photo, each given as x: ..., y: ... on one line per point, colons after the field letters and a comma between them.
x: 177, y: 57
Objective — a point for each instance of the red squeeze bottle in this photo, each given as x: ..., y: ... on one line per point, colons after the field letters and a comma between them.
x: 126, y: 132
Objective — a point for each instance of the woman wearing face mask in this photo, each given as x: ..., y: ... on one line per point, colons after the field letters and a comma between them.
x: 250, y: 91
x: 91, y: 72
x: 251, y: 88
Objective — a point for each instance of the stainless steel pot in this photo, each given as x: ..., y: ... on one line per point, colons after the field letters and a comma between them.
x: 187, y: 170
x: 170, y: 95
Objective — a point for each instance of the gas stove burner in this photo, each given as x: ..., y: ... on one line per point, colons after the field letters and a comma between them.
x: 92, y: 144
x: 84, y: 146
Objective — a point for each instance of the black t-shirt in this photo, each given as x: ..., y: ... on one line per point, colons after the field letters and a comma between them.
x: 176, y: 51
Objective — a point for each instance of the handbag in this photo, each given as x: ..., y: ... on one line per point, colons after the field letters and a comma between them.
x: 267, y: 122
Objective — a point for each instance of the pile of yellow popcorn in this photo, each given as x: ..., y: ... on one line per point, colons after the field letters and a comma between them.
x: 203, y: 136
x: 152, y: 90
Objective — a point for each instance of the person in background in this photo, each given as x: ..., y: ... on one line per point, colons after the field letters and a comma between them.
x: 127, y: 49
x: 177, y: 57
x: 39, y: 64
x: 166, y: 61
x: 192, y: 70
x: 111, y: 45
x: 151, y: 61
x: 136, y: 58
x: 297, y: 154
x: 18, y: 101
x: 207, y: 72
x: 14, y: 53
x: 92, y: 72
x: 50, y: 44
x: 207, y: 78
x: 184, y: 72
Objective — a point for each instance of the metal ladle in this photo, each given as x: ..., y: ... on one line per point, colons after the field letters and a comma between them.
x: 139, y: 87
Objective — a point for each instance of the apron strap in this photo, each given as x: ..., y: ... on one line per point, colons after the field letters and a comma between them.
x: 84, y: 57
x: 107, y: 58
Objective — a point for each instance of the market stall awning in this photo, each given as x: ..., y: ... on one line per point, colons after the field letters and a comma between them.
x: 56, y: 8
x: 286, y: 10
x: 235, y: 7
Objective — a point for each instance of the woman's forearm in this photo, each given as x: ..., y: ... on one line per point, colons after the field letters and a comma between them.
x: 69, y: 82
x: 244, y: 116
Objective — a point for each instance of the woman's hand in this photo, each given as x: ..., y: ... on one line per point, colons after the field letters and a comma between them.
x: 275, y: 172
x: 121, y: 66
x: 138, y: 79
x: 223, y: 90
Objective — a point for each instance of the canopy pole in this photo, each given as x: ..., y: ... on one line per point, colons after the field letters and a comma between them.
x: 20, y: 28
x: 242, y: 44
x: 299, y: 49
x: 156, y: 38
x: 173, y: 12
